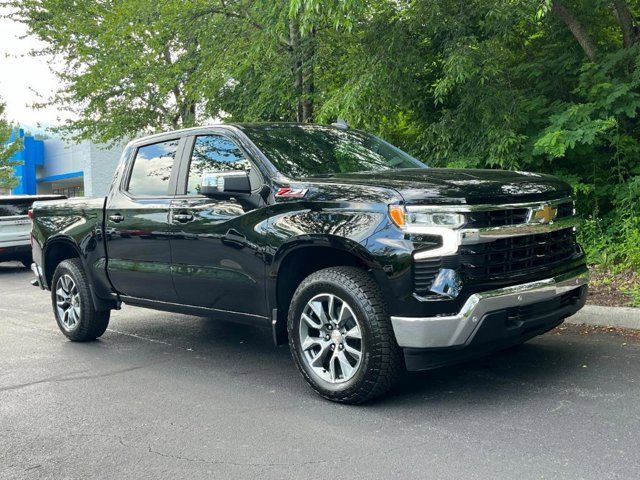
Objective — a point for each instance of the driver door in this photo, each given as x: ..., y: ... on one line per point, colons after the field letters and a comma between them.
x: 215, y: 263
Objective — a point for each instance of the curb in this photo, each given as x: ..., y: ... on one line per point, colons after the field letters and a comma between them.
x: 619, y: 317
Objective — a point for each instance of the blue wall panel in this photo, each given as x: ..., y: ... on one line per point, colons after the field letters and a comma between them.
x: 30, y: 157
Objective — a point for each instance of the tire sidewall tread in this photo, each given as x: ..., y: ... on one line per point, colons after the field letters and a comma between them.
x: 381, y: 364
x: 93, y: 323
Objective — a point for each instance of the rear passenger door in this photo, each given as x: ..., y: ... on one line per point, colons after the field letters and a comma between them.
x: 137, y: 223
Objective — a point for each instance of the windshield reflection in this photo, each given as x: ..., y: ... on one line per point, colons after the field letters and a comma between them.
x: 313, y: 150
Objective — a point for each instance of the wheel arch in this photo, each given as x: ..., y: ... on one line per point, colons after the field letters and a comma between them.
x: 61, y: 248
x: 302, y: 256
x: 55, y: 251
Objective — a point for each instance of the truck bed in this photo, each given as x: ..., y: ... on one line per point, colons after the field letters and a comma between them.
x: 79, y: 219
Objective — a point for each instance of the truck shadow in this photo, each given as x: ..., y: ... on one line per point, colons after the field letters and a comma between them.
x: 12, y: 267
x: 547, y: 366
x: 548, y: 363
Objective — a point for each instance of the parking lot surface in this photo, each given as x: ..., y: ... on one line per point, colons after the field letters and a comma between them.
x: 169, y: 396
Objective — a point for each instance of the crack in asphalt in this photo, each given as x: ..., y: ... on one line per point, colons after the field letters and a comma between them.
x: 236, y: 464
x: 149, y: 449
x: 62, y: 379
x: 139, y: 337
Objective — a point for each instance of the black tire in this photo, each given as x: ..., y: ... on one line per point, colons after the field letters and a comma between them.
x: 91, y: 323
x: 381, y: 361
x: 26, y: 260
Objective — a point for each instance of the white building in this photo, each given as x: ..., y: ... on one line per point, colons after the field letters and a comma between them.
x: 77, y: 169
x: 59, y: 167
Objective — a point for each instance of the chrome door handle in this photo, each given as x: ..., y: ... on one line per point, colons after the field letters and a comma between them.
x: 116, y: 217
x: 183, y: 217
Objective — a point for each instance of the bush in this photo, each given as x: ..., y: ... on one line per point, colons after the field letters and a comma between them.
x: 614, y: 239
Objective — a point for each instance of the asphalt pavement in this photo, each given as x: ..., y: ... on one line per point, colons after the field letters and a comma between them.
x: 166, y: 396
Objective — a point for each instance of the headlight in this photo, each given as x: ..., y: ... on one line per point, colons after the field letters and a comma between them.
x: 421, y: 217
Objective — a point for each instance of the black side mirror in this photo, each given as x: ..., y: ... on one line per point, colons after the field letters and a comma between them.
x: 225, y: 182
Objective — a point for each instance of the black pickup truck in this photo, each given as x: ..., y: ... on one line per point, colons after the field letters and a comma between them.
x: 365, y: 259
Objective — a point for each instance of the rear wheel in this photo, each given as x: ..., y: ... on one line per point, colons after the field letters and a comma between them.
x: 341, y: 337
x: 73, y: 305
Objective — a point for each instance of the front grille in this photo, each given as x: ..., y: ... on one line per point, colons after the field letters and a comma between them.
x: 424, y: 273
x: 499, y: 218
x: 565, y: 210
x: 511, y: 216
x: 514, y: 256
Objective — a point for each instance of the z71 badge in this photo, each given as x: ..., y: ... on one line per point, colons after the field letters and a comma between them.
x: 288, y: 192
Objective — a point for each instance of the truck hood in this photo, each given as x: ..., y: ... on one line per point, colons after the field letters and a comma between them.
x: 459, y: 186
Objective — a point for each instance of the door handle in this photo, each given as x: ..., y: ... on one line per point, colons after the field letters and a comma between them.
x: 183, y: 217
x: 116, y: 218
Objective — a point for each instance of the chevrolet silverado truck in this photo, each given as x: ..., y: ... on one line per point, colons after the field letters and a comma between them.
x: 15, y: 226
x: 362, y: 258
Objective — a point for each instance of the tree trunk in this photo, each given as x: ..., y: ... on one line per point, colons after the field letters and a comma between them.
x: 296, y: 67
x: 576, y: 28
x: 188, y: 113
x: 626, y: 21
x: 308, y: 85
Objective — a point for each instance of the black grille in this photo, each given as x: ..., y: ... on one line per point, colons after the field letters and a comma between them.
x: 499, y: 218
x: 565, y: 210
x: 424, y: 273
x: 515, y: 256
x: 511, y: 216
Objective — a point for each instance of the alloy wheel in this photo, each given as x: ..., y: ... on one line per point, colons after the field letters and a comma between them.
x: 67, y: 302
x: 331, y: 338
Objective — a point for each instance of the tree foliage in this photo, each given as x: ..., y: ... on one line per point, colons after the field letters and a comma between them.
x: 7, y: 149
x: 543, y: 85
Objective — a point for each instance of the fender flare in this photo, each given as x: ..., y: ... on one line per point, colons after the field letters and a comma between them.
x: 298, y: 243
x: 100, y: 303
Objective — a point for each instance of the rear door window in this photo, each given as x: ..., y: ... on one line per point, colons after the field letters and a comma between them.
x: 15, y: 208
x: 151, y: 170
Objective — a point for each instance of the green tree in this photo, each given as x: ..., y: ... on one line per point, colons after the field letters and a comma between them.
x: 541, y: 85
x: 7, y: 150
x: 134, y: 66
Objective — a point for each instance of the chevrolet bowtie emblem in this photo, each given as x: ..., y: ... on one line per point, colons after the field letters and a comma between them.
x: 545, y: 214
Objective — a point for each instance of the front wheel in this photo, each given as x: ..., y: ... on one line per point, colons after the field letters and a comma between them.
x: 73, y: 305
x: 341, y: 337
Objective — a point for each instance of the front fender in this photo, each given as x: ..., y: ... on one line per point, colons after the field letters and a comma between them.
x: 364, y: 233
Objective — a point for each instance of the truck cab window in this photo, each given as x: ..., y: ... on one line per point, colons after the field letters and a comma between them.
x: 152, y: 169
x: 214, y: 154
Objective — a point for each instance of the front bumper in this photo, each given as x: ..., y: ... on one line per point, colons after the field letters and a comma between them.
x: 459, y: 330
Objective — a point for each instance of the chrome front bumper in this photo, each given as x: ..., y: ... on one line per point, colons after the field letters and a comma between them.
x: 456, y: 330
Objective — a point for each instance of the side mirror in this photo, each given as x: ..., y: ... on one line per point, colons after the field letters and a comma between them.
x: 225, y: 182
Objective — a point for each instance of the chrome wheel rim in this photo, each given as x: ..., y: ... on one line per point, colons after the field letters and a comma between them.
x: 67, y: 302
x: 330, y: 338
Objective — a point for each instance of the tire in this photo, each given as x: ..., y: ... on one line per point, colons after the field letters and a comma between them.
x: 26, y: 260
x: 378, y: 366
x: 79, y: 321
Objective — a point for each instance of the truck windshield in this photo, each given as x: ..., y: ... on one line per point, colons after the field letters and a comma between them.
x: 311, y: 150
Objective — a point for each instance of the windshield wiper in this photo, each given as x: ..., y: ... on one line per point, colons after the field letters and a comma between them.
x: 321, y: 175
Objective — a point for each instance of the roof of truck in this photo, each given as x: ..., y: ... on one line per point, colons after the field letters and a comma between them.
x: 239, y: 126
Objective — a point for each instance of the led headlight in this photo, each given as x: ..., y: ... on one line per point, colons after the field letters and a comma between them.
x: 423, y: 217
x: 435, y: 219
